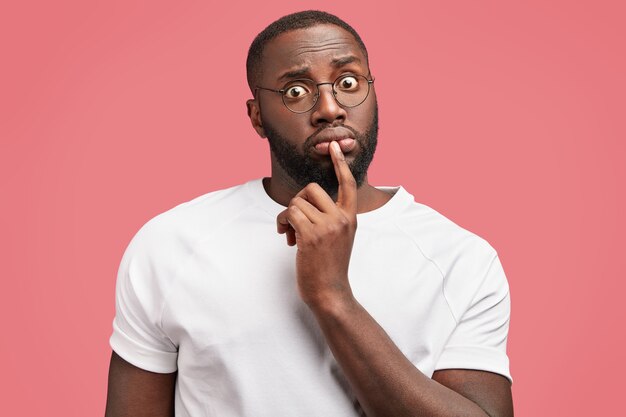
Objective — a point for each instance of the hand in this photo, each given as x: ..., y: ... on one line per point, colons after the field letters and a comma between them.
x: 324, y: 233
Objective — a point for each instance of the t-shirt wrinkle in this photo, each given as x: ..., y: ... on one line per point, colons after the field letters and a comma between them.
x: 434, y: 264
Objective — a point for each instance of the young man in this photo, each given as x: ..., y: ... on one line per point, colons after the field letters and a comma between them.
x: 375, y: 305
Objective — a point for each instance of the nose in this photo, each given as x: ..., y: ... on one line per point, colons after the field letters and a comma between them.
x: 327, y: 110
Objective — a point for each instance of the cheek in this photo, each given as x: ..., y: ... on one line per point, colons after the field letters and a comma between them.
x: 362, y: 119
x: 272, y: 111
x: 293, y: 127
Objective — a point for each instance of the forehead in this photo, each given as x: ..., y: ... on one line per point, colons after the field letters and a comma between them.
x: 319, y: 48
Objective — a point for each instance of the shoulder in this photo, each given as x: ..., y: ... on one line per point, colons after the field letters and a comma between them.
x: 468, y: 264
x: 441, y: 239
x: 173, y: 234
x: 196, y: 217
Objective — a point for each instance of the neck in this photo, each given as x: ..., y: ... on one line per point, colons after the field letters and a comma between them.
x: 282, y: 190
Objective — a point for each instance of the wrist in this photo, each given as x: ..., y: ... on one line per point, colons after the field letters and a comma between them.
x: 333, y: 304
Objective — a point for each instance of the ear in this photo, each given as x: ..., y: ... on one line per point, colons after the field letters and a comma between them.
x: 254, y: 113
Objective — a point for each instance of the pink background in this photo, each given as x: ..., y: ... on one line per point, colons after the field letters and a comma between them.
x: 507, y: 118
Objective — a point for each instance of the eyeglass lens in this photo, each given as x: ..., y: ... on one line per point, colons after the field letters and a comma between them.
x: 349, y: 90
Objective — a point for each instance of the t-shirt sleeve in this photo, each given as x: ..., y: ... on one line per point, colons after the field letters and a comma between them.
x: 479, y: 339
x: 138, y: 336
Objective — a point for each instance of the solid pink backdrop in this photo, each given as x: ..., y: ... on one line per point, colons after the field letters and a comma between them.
x: 507, y: 118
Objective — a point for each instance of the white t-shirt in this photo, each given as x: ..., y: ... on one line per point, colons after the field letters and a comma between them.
x: 208, y: 288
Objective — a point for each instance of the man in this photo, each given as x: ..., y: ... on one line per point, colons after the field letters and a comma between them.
x: 217, y: 316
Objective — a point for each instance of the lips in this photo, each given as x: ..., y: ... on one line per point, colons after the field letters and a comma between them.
x: 344, y: 137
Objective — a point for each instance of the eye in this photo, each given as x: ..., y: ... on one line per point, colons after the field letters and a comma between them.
x: 296, y: 91
x: 348, y: 83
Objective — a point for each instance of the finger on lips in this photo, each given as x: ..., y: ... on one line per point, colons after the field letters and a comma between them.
x: 346, y: 196
x: 311, y: 204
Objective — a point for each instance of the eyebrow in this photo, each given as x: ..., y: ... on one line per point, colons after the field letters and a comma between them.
x: 340, y: 62
x: 294, y: 73
x: 337, y: 63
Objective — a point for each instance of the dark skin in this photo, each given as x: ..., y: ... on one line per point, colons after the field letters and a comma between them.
x: 138, y: 393
x: 323, y: 227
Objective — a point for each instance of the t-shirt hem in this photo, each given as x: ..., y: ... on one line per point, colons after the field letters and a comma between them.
x: 141, y: 356
x: 475, y: 358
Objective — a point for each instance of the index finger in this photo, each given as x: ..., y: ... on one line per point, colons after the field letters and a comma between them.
x: 346, y: 194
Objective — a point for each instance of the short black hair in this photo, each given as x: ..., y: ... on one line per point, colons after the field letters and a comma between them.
x: 299, y: 20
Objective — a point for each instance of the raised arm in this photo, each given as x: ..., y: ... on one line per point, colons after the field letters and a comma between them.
x: 385, y: 382
x: 134, y: 392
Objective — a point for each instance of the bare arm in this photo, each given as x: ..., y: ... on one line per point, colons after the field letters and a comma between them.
x: 385, y: 382
x: 492, y: 392
x: 134, y: 392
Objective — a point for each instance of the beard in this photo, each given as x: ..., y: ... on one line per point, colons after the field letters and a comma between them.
x: 303, y: 169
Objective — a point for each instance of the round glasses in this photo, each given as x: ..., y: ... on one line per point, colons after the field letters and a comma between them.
x: 300, y: 96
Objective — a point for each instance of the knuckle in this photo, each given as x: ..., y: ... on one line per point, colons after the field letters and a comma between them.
x: 344, y: 222
x: 314, y: 186
x: 332, y: 228
x: 315, y: 240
